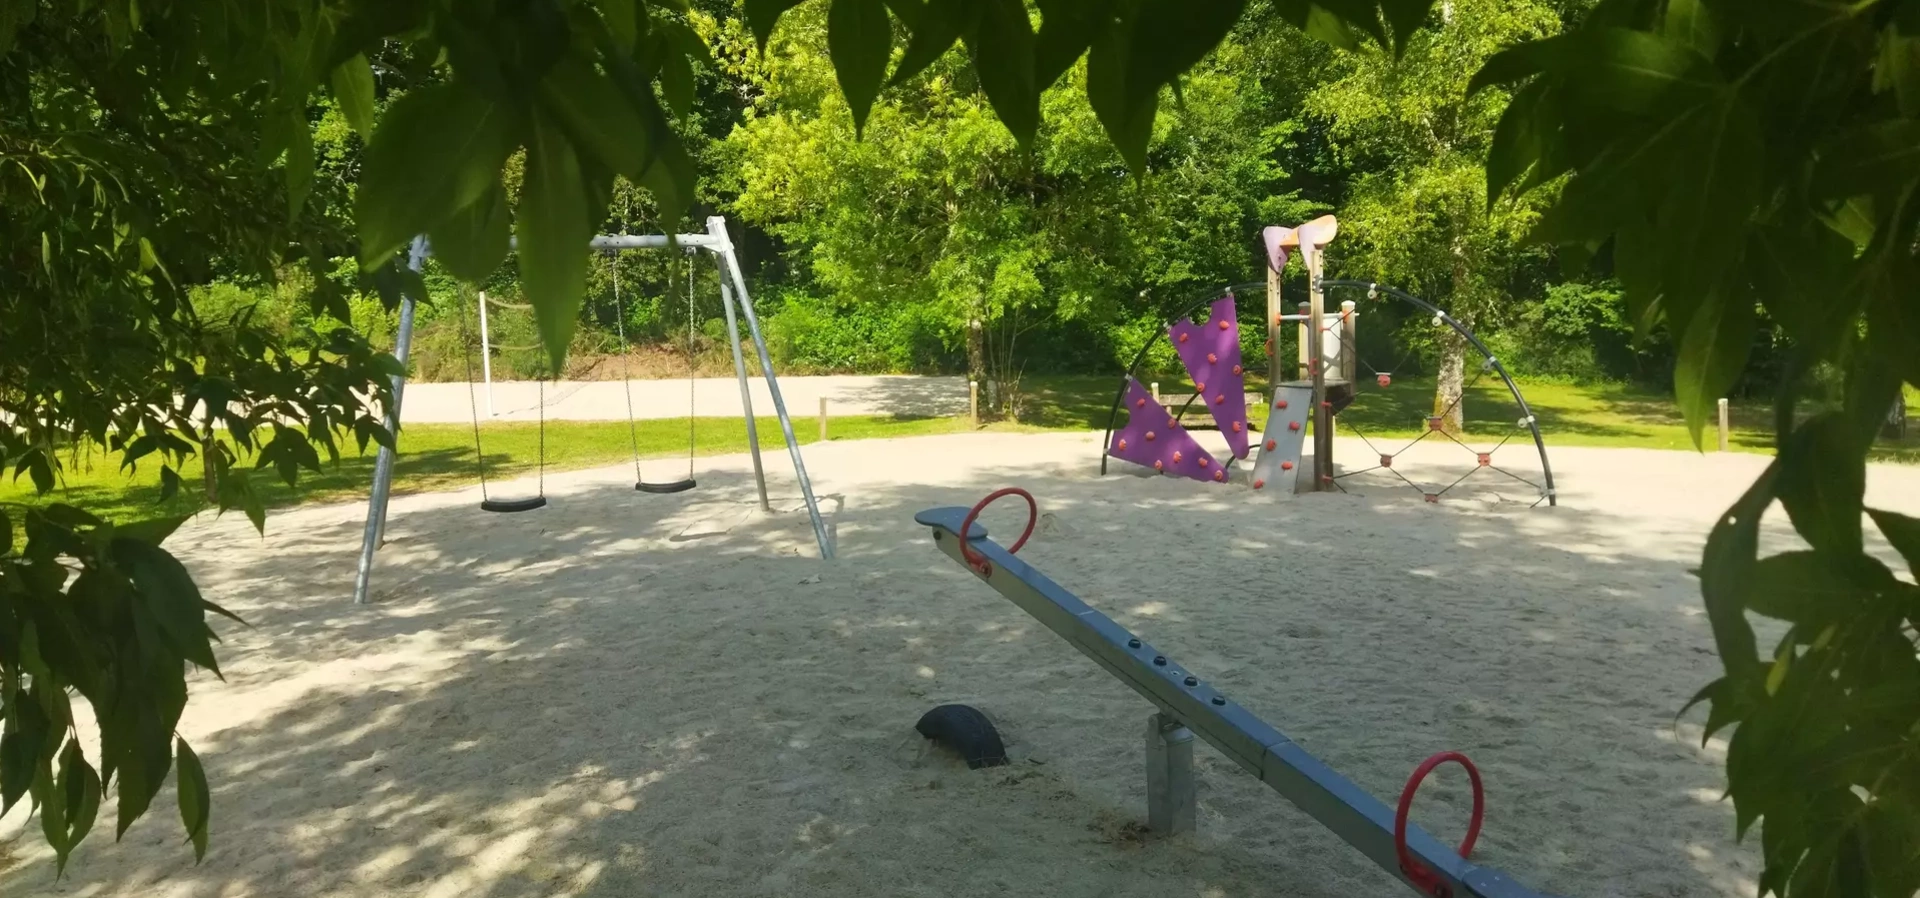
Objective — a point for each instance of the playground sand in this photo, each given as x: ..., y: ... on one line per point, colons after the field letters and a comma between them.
x: 627, y: 694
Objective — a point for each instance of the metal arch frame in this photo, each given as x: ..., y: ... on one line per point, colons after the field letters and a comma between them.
x: 1120, y: 396
x: 1526, y: 412
x: 733, y: 291
x: 1533, y: 423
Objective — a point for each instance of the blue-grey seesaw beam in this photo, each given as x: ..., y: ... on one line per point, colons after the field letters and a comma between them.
x: 1339, y: 805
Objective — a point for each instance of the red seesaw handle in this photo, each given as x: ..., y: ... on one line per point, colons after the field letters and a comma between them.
x: 1416, y: 872
x: 978, y: 561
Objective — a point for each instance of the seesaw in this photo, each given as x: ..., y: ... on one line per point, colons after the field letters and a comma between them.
x: 1188, y: 706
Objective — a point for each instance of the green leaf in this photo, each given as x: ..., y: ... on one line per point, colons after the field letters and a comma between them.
x: 299, y: 169
x: 353, y: 90
x: 196, y: 801
x: 1726, y: 573
x: 153, y: 531
x: 168, y: 593
x: 1691, y: 23
x: 1823, y: 479
x: 438, y: 148
x: 1520, y: 61
x: 169, y: 483
x: 1899, y: 69
x: 553, y: 231
x: 20, y: 745
x: 38, y: 467
x: 1518, y: 140
x: 603, y: 123
x: 1128, y: 124
x: 624, y: 21
x: 676, y: 82
x: 78, y: 787
x: 1902, y: 532
x: 859, y: 40
x: 762, y: 15
x: 1800, y: 270
x: 6, y: 533
x: 933, y: 31
x: 1405, y: 17
x: 1067, y: 29
x: 1801, y: 588
x: 1713, y: 180
x: 1713, y: 352
x: 1003, y: 53
x: 1868, y: 159
x: 474, y: 242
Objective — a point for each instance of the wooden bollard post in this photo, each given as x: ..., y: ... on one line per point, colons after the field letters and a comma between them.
x: 1723, y: 425
x: 1156, y: 391
x: 823, y: 419
x: 973, y: 402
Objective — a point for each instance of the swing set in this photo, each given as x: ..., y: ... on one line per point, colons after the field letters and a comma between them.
x: 736, y: 304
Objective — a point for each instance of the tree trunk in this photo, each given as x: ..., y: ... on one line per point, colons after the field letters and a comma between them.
x: 977, y: 362
x: 1448, y: 405
x: 210, y: 468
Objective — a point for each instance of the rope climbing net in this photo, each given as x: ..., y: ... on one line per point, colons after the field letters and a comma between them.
x: 1435, y: 428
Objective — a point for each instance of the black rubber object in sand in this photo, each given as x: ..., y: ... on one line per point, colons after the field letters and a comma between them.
x: 513, y: 506
x: 967, y: 731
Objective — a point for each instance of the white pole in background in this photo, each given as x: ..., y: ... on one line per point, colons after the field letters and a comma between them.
x: 486, y: 354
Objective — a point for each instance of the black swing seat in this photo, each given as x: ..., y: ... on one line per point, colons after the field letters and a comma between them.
x: 675, y: 486
x: 510, y: 506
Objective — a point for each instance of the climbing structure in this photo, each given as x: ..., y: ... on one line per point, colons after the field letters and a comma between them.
x: 1211, y: 352
x: 1154, y: 438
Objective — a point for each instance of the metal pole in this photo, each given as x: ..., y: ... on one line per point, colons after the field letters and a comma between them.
x: 1171, y: 799
x: 486, y: 354
x: 1274, y: 307
x: 375, y: 533
x: 717, y: 226
x: 740, y: 373
x: 1317, y: 369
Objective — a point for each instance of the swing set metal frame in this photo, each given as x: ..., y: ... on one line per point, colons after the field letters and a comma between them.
x: 734, y: 300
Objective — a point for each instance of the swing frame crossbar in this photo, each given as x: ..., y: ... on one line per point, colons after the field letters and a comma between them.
x: 1187, y: 704
x: 734, y: 300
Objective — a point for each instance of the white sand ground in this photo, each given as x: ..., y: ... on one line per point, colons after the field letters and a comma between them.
x: 441, y: 403
x: 627, y: 694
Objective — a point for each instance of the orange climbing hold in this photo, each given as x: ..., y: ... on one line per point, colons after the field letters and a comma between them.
x: 1286, y: 466
x: 1199, y: 387
x: 1149, y: 436
x: 1183, y: 338
x: 1203, y: 461
x: 1259, y: 484
x: 1282, y: 403
x: 1140, y: 403
x: 1293, y: 425
x: 1158, y: 466
x: 1272, y: 445
x: 1123, y: 445
x: 1385, y: 380
x: 1219, y: 398
x: 1486, y: 459
x: 1176, y: 456
x: 1211, y: 358
x: 1236, y: 369
x: 1223, y: 324
x: 1236, y: 427
x: 1220, y: 476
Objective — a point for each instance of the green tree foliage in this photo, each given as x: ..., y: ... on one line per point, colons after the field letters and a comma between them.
x: 1728, y: 157
x: 1417, y: 214
x: 132, y: 173
x: 1716, y: 157
x: 936, y: 208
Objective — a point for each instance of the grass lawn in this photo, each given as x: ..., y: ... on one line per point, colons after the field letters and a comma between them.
x: 1569, y: 414
x: 441, y: 456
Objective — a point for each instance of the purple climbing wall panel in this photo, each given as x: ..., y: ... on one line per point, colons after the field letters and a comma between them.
x: 1211, y: 352
x: 1279, y: 461
x: 1152, y: 438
